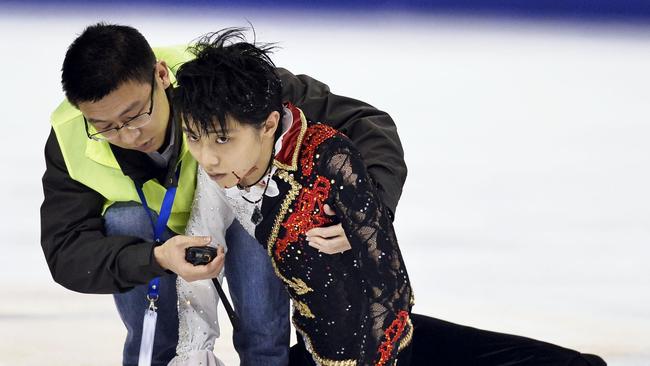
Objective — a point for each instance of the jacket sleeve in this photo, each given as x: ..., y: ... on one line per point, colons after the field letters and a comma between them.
x: 372, y: 131
x: 79, y: 255
x: 387, y: 291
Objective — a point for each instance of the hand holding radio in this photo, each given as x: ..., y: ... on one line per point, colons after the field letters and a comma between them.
x: 173, y: 254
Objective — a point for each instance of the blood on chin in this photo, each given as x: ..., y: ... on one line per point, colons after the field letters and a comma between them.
x: 232, y: 181
x: 239, y: 178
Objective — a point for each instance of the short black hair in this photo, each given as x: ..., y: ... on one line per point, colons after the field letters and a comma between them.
x: 228, y: 77
x: 102, y: 58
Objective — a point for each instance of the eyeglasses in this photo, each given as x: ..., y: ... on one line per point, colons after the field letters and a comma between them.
x: 134, y: 123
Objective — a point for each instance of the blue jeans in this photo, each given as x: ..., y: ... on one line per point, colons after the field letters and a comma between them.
x: 127, y: 218
x: 258, y: 296
x: 260, y: 300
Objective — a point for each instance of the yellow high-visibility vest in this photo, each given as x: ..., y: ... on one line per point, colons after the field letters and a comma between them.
x: 93, y: 164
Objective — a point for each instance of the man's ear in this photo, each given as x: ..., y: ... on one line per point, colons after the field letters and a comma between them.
x: 271, y: 124
x: 162, y: 74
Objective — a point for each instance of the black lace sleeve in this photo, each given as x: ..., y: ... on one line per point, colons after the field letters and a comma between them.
x: 369, y: 229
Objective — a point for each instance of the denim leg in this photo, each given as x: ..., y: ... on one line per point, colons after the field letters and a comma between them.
x: 130, y: 219
x: 260, y: 300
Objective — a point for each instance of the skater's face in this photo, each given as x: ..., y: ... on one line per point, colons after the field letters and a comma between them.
x: 239, y: 155
x: 135, y: 115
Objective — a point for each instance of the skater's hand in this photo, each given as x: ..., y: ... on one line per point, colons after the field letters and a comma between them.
x: 171, y: 256
x: 330, y: 239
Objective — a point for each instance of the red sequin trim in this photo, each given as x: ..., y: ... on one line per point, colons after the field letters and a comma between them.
x: 315, y: 136
x: 392, y: 335
x: 308, y: 213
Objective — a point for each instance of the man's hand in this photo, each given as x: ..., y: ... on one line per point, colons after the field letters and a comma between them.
x: 331, y: 239
x: 171, y: 256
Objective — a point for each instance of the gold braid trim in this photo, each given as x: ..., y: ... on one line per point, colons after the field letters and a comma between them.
x: 296, y: 150
x: 300, y: 286
x: 303, y: 309
x: 297, y: 285
x: 406, y: 340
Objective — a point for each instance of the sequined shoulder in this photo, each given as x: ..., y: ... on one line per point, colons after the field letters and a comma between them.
x: 315, y: 135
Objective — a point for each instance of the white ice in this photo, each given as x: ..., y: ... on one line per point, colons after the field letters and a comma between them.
x: 527, y: 205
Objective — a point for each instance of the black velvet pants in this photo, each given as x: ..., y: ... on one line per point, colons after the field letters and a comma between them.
x: 437, y: 342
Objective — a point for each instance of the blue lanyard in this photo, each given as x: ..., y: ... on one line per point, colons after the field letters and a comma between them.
x: 159, y: 226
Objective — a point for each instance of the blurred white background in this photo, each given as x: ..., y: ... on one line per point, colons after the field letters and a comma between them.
x: 526, y: 209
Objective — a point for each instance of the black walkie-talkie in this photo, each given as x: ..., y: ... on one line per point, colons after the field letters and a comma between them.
x: 200, y: 255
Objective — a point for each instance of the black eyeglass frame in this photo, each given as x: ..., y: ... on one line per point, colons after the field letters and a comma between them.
x: 98, y: 136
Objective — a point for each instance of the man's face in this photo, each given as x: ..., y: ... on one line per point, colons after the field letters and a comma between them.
x: 131, y: 99
x: 236, y: 157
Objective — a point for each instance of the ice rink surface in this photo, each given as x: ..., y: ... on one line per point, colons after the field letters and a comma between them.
x: 527, y: 205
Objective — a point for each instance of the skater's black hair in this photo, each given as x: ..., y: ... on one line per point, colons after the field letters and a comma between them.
x: 228, y: 78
